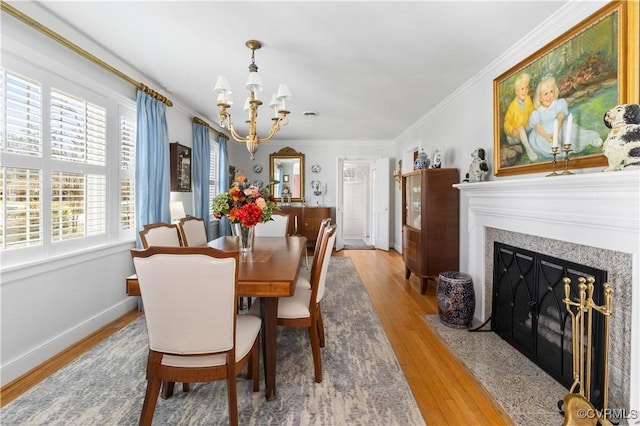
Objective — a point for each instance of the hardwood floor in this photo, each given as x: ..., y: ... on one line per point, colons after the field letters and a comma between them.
x: 445, y: 390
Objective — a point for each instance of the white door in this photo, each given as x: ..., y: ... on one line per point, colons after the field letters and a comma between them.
x: 339, y: 204
x: 380, y: 187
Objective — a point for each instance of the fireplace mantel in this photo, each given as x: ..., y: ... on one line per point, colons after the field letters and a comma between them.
x: 596, y: 209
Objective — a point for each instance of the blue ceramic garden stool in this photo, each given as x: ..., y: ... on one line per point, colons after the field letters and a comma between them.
x: 456, y: 299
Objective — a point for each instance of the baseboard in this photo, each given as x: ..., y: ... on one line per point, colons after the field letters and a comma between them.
x: 34, y: 358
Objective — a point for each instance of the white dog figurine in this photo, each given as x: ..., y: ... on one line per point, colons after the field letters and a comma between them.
x: 622, y: 146
x: 479, y: 169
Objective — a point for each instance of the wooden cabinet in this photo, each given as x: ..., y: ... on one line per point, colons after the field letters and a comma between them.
x: 307, y: 220
x: 430, y: 218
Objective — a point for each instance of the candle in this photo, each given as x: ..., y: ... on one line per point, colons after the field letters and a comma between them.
x: 555, y: 133
x: 295, y: 222
x: 567, y: 134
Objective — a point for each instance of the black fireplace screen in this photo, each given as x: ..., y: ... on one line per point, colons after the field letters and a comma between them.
x: 528, y: 311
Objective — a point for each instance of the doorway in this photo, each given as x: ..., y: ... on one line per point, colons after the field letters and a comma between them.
x: 362, y: 202
x: 356, y: 181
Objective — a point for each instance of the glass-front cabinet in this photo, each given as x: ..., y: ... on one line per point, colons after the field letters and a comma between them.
x: 430, y: 216
x: 413, y: 201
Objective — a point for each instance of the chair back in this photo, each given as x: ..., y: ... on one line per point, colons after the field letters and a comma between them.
x: 319, y: 278
x: 276, y: 227
x: 193, y: 231
x: 160, y: 234
x: 323, y: 226
x: 197, y: 287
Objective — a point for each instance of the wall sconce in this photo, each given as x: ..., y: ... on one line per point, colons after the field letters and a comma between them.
x: 397, y: 174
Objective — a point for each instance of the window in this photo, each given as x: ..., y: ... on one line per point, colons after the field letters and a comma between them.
x: 54, y: 180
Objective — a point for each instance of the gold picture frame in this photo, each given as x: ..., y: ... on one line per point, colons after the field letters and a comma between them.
x: 589, y: 69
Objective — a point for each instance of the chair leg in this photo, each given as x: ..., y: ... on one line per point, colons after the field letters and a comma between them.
x: 320, y: 328
x: 153, y: 389
x: 232, y: 395
x: 315, y: 350
x: 185, y: 387
x: 167, y: 389
x: 254, y: 363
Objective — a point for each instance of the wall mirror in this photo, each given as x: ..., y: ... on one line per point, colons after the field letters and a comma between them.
x: 287, y: 167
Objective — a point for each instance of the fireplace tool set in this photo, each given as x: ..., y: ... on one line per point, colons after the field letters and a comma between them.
x: 578, y: 410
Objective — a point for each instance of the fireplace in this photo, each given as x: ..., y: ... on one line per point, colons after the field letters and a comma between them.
x: 590, y: 218
x: 529, y: 313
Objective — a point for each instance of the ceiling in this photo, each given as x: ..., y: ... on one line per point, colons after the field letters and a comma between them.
x: 370, y: 69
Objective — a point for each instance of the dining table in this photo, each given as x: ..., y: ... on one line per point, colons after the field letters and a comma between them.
x: 269, y: 271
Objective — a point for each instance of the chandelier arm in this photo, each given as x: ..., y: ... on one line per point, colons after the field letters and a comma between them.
x: 235, y: 134
x: 274, y: 129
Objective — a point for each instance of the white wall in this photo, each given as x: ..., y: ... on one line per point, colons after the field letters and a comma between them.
x: 464, y: 120
x: 323, y: 153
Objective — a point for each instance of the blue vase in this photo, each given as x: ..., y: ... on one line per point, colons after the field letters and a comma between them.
x: 422, y: 162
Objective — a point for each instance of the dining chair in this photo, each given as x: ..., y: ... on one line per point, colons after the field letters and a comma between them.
x: 303, y: 308
x: 160, y: 234
x: 305, y: 272
x: 193, y: 231
x: 204, y: 339
x: 276, y: 227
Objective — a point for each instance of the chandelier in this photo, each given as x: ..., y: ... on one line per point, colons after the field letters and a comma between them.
x: 254, y: 85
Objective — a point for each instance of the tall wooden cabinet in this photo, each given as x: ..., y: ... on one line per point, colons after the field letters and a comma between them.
x: 430, y: 219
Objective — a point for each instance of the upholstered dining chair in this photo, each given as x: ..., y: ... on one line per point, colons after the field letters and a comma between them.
x: 303, y: 308
x: 160, y: 234
x: 277, y: 227
x: 193, y: 231
x: 204, y: 339
x: 305, y: 272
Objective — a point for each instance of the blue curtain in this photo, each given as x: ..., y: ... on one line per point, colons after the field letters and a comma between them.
x: 153, y: 182
x: 200, y: 167
x: 223, y: 182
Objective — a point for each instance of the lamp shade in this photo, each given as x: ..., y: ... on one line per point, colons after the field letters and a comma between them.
x: 254, y: 82
x: 222, y: 85
x: 284, y: 94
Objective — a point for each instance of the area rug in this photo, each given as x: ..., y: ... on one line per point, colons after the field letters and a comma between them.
x: 527, y: 393
x: 357, y: 244
x: 363, y: 383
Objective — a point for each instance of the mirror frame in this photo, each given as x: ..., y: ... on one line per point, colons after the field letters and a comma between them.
x: 287, y: 152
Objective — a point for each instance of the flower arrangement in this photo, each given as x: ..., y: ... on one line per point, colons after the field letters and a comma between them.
x: 245, y: 203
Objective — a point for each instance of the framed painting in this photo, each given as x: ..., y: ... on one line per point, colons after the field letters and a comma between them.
x: 180, y: 162
x: 559, y: 94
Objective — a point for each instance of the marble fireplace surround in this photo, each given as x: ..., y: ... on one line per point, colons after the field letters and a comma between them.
x: 591, y: 217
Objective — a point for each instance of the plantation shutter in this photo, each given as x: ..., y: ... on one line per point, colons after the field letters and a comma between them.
x: 21, y: 136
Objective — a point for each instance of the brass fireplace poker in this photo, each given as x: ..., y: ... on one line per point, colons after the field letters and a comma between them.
x: 578, y: 409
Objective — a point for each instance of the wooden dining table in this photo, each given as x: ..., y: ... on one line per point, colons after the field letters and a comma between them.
x: 269, y: 271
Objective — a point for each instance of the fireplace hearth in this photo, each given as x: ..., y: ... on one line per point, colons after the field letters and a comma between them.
x: 528, y: 311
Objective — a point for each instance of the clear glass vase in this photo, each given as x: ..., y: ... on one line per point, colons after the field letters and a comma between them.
x: 246, y: 235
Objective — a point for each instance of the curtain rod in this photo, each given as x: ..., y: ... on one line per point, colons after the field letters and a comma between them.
x: 201, y: 122
x: 77, y: 49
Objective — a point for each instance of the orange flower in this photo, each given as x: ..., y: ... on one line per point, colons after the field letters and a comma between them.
x: 237, y: 194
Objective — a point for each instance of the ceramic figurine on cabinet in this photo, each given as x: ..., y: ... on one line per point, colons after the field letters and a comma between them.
x: 479, y: 168
x: 422, y: 162
x: 437, y: 159
x: 622, y: 146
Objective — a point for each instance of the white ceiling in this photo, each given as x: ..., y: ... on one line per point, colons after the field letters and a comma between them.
x: 369, y: 68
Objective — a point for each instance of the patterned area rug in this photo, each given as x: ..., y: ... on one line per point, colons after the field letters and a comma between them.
x: 363, y: 383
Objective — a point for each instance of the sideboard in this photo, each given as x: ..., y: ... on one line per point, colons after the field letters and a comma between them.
x: 306, y: 220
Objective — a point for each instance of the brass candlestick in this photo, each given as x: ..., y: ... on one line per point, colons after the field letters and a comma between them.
x: 566, y: 148
x: 554, y: 151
